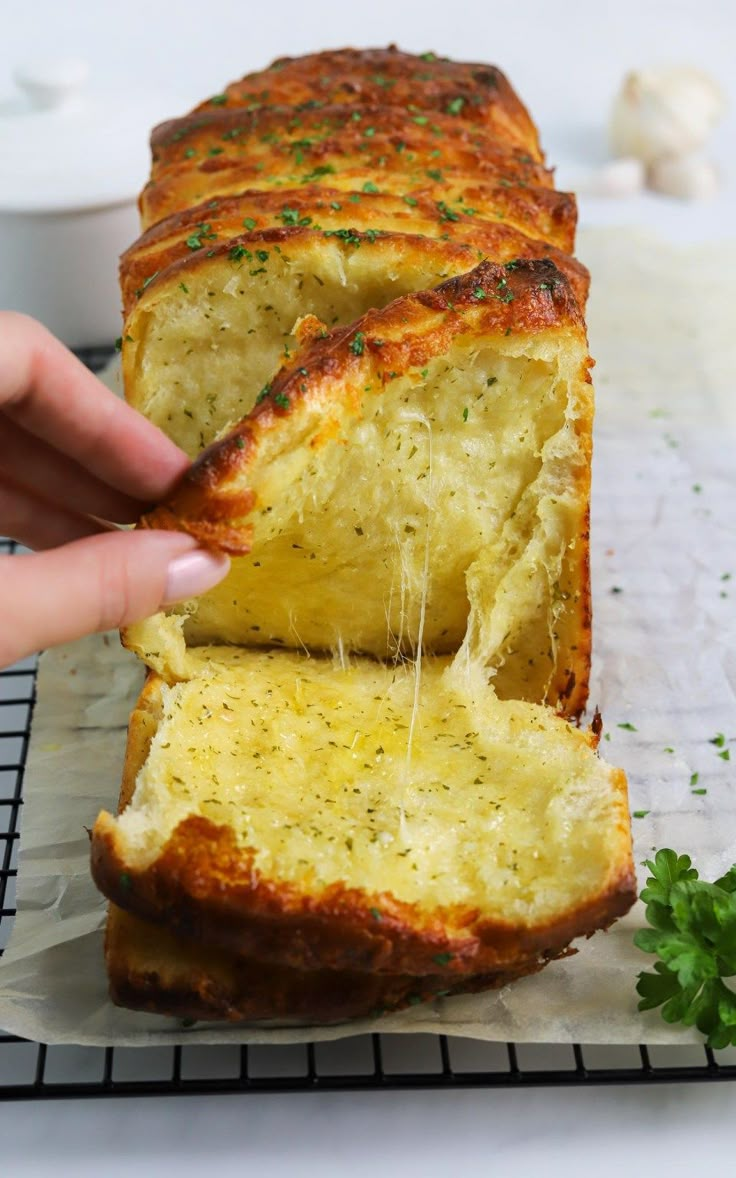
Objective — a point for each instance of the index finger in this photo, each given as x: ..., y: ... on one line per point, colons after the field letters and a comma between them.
x: 46, y: 390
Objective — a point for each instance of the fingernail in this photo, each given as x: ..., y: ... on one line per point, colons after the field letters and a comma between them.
x: 192, y: 574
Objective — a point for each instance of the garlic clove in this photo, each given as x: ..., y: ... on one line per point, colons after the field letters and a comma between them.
x: 666, y: 111
x: 687, y: 177
x: 617, y: 178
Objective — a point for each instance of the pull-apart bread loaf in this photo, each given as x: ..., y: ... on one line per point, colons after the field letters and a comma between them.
x: 351, y: 781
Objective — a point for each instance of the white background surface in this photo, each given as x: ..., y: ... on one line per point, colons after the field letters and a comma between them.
x: 566, y: 59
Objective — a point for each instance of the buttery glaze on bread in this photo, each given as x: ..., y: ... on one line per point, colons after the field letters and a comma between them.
x: 152, y: 968
x: 309, y: 832
x: 267, y: 820
x: 334, y: 264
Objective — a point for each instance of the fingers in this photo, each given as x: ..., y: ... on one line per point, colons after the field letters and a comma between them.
x: 98, y: 583
x: 27, y: 462
x: 38, y: 524
x: 48, y: 392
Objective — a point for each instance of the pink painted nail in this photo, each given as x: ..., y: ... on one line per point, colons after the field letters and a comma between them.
x: 192, y: 574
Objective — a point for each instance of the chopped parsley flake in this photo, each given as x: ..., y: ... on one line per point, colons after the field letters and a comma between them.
x: 442, y: 958
x: 203, y: 230
x: 357, y: 345
x: 446, y: 214
x: 145, y: 283
x: 320, y: 170
x: 291, y: 217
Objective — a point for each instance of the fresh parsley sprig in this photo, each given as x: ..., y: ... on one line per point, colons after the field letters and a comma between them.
x: 694, y: 935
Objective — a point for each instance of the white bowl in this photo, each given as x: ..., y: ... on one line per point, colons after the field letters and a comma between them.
x: 73, y: 163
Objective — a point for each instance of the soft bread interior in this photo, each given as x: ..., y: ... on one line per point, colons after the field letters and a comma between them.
x: 207, y: 336
x: 457, y: 510
x: 331, y: 773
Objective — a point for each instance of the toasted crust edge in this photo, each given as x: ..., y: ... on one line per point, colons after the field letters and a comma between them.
x: 204, y: 888
x: 150, y: 969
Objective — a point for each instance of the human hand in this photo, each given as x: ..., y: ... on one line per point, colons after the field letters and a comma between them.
x: 75, y: 460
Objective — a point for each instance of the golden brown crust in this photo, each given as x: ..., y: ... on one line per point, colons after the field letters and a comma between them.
x: 470, y: 92
x: 540, y: 213
x: 527, y: 297
x: 151, y: 969
x: 203, y: 887
x: 275, y: 221
x: 206, y: 154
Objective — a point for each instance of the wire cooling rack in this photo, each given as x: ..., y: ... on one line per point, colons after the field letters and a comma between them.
x: 365, y: 1062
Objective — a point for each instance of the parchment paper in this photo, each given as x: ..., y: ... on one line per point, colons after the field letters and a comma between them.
x: 664, y: 553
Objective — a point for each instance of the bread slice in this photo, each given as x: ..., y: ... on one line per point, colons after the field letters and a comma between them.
x: 332, y: 211
x: 151, y: 969
x: 207, y: 154
x: 421, y: 477
x: 219, y: 320
x: 314, y: 817
x: 210, y: 329
x: 470, y: 92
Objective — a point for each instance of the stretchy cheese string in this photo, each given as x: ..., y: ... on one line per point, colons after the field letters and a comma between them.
x: 424, y: 421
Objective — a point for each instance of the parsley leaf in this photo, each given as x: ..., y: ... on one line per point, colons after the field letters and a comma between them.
x: 442, y: 958
x: 693, y: 933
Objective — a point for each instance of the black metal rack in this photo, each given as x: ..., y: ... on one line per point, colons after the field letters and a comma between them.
x: 368, y: 1062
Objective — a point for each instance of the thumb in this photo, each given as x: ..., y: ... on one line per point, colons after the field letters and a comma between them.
x: 99, y: 583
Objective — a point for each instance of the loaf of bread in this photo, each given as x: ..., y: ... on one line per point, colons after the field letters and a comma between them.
x: 350, y: 781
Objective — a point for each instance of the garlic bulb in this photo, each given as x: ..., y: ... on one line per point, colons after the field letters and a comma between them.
x: 664, y: 112
x: 687, y: 177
